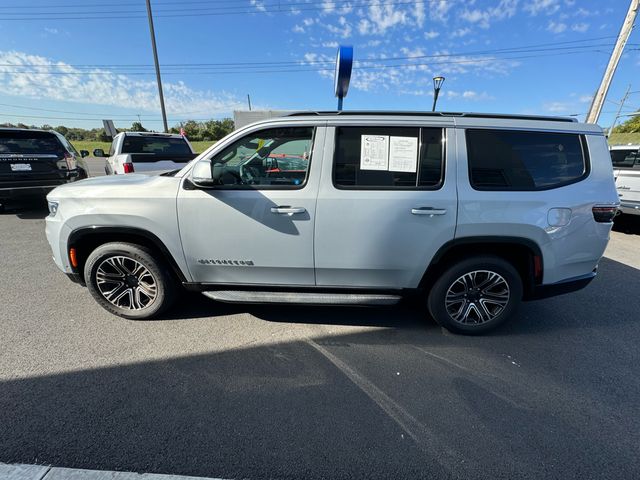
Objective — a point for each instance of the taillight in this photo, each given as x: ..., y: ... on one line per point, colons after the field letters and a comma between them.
x: 604, y: 213
x: 128, y: 167
x: 69, y: 162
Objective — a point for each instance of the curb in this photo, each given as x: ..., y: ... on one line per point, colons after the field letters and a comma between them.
x: 38, y: 472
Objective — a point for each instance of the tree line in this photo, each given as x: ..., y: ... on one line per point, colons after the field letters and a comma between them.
x: 210, y: 130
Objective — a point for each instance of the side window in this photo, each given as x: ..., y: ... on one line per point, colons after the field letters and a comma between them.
x: 276, y: 158
x: 516, y: 160
x: 388, y: 158
x: 625, y: 158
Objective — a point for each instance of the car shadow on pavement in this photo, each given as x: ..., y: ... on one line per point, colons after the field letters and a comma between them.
x: 629, y: 224
x: 409, y: 313
x: 604, y: 302
x: 553, y: 395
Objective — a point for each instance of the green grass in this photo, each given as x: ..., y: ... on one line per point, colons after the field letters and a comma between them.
x: 624, y: 138
x: 199, y: 147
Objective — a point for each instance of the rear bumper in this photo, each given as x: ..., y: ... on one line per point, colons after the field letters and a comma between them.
x: 629, y: 207
x: 29, y: 189
x: 560, y: 288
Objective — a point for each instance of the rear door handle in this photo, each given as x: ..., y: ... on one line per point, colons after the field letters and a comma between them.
x: 428, y: 211
x: 287, y: 210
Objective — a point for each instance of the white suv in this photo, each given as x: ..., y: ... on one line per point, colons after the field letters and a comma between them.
x: 471, y: 212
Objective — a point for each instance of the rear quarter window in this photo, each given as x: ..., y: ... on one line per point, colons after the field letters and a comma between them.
x: 524, y: 161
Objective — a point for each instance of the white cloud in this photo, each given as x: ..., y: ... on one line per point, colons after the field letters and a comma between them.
x: 419, y: 14
x: 431, y: 34
x: 557, y: 107
x: 556, y: 27
x: 484, y: 18
x: 259, y: 5
x: 548, y: 7
x: 330, y: 44
x: 580, y: 27
x: 460, y: 32
x: 308, y: 22
x: 298, y: 29
x: 585, y: 98
x: 101, y: 87
x: 52, y: 31
x: 476, y: 96
x: 343, y: 29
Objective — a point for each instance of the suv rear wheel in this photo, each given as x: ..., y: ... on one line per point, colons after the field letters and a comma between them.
x: 127, y: 280
x: 475, y: 295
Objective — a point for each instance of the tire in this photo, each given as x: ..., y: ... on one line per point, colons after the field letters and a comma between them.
x: 128, y: 281
x: 475, y: 295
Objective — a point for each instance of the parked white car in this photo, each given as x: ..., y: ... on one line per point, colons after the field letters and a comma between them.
x: 470, y: 212
x: 146, y: 152
x: 626, y: 170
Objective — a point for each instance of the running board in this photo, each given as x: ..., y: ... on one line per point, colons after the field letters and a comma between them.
x: 240, y: 296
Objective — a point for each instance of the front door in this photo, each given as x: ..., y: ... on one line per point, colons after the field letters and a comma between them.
x: 385, y: 204
x: 256, y: 225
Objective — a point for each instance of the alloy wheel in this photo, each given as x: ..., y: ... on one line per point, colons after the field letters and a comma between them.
x: 477, y: 297
x: 126, y: 283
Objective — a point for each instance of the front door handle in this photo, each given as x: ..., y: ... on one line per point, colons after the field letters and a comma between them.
x: 428, y: 211
x: 287, y: 210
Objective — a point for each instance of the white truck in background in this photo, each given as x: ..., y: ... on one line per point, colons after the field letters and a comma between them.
x: 146, y: 152
x: 626, y: 170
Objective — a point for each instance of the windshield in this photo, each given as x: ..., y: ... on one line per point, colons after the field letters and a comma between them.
x: 18, y: 142
x: 157, y: 145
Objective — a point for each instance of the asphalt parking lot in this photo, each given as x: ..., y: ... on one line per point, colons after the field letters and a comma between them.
x: 305, y: 392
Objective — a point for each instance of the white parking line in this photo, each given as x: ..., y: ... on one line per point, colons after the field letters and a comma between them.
x: 37, y: 472
x: 424, y: 438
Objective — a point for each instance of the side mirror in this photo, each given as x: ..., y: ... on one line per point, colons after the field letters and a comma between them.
x: 98, y: 152
x: 201, y: 175
x: 84, y: 153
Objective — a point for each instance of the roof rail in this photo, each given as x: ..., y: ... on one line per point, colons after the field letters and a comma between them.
x: 436, y: 114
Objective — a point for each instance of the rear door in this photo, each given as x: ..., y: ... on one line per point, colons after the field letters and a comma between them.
x: 626, y: 164
x: 30, y: 158
x: 387, y: 202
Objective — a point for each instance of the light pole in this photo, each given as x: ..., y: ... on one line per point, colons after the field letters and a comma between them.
x: 437, y: 84
x: 155, y: 59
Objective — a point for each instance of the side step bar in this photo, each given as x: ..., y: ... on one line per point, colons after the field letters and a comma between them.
x: 239, y: 296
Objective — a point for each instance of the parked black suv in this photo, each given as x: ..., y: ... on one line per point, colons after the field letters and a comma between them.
x: 33, y: 162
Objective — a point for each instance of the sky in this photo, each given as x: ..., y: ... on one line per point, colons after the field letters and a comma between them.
x: 75, y: 62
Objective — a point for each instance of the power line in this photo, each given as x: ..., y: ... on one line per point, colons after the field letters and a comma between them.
x: 293, y: 70
x: 520, y: 49
x: 324, y: 6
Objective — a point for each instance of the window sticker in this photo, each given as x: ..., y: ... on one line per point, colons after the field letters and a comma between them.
x: 403, y: 154
x: 374, y: 152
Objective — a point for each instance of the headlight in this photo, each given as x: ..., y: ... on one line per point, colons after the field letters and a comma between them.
x: 53, y: 207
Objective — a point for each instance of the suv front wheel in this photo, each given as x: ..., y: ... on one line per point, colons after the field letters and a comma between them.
x: 475, y: 295
x: 127, y: 280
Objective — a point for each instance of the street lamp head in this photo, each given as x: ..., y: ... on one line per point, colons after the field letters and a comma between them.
x: 437, y: 82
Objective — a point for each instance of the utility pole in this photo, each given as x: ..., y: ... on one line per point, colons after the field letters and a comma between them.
x: 623, y: 36
x: 615, y: 119
x: 249, y: 101
x: 155, y: 59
